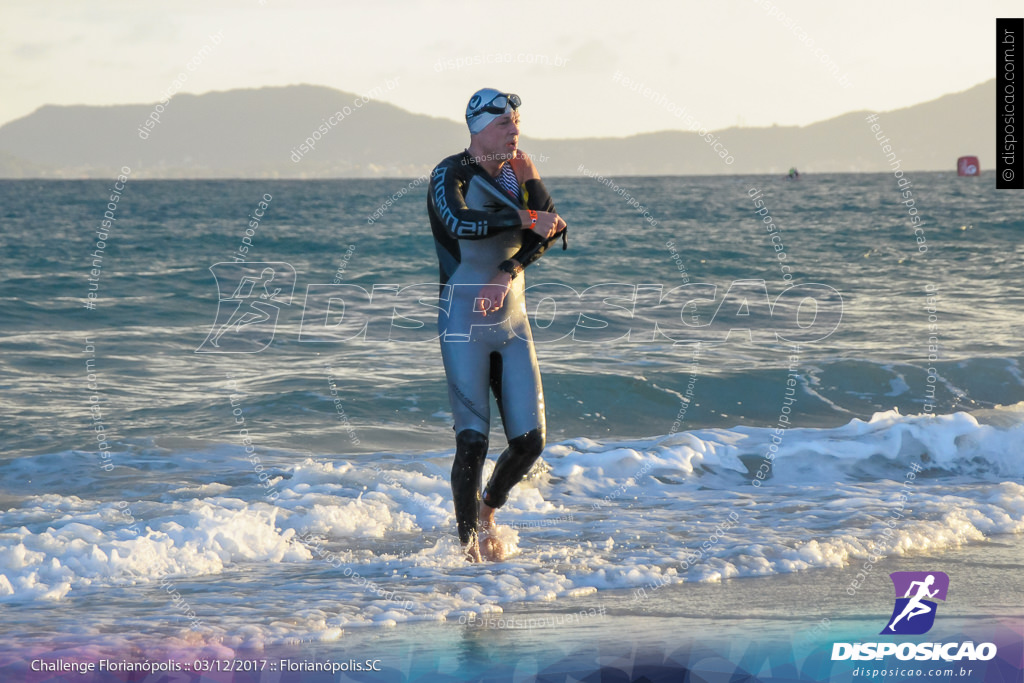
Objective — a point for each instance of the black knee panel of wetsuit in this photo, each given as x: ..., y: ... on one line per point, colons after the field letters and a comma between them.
x: 467, y: 471
x: 512, y: 466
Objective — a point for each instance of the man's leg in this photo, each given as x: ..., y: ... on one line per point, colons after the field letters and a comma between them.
x: 512, y: 466
x: 515, y: 381
x: 510, y: 469
x: 466, y: 365
x: 467, y: 472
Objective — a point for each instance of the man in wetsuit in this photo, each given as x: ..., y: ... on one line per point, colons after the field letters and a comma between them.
x: 491, y: 216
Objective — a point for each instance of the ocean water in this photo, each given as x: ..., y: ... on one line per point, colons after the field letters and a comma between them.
x: 864, y: 401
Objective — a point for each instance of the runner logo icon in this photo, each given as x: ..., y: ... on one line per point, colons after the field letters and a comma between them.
x: 916, y: 593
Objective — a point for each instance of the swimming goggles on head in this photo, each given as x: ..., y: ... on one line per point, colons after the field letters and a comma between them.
x: 497, y: 105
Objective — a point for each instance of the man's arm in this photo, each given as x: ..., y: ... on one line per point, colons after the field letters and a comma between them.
x: 534, y: 246
x: 459, y: 220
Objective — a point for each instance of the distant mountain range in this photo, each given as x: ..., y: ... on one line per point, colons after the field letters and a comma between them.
x: 257, y: 133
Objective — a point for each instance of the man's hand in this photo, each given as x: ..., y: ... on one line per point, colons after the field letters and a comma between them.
x: 548, y: 224
x: 492, y: 295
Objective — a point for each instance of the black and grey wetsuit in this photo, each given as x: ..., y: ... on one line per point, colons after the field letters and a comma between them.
x: 476, y: 225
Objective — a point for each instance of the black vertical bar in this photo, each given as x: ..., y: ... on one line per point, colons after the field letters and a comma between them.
x: 1009, y: 104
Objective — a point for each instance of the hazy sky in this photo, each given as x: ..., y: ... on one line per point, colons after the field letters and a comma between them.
x: 725, y: 61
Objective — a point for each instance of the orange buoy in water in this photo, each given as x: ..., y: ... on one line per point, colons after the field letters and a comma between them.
x: 968, y: 166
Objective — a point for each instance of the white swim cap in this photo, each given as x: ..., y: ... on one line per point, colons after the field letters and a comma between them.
x: 488, y: 104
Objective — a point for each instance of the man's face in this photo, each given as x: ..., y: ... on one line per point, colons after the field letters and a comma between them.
x: 501, y: 136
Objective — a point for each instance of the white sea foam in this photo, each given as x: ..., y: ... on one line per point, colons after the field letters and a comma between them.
x: 358, y: 542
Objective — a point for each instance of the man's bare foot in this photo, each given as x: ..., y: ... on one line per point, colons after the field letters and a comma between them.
x: 472, y: 551
x: 491, y: 546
